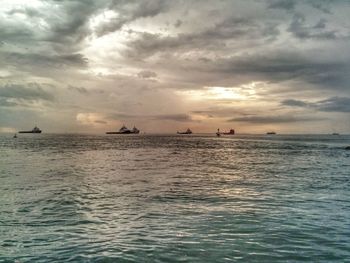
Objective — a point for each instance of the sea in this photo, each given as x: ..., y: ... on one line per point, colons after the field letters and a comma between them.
x: 174, y: 198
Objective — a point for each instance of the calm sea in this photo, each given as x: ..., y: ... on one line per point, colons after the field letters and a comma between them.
x: 147, y: 198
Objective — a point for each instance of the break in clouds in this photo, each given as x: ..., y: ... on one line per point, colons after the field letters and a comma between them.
x: 85, y: 65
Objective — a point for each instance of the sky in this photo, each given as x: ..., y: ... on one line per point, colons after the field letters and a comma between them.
x: 166, y: 65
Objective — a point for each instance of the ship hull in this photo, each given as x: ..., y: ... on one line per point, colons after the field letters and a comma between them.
x: 29, y: 132
x: 122, y: 132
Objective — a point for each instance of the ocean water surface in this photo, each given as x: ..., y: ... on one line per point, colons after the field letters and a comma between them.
x: 161, y: 198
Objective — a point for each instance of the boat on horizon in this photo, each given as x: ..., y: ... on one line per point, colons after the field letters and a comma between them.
x: 34, y: 130
x: 188, y: 131
x: 335, y: 133
x: 231, y: 132
x: 271, y: 133
x: 218, y: 133
x: 125, y: 130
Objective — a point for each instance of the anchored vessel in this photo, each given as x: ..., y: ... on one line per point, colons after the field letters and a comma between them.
x: 125, y: 130
x: 231, y: 132
x: 271, y: 133
x: 188, y: 131
x: 34, y: 130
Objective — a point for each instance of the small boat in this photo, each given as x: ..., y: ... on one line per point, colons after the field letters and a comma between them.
x: 347, y: 148
x: 125, y: 130
x: 271, y: 133
x: 231, y: 132
x: 335, y: 133
x: 218, y: 133
x: 188, y: 131
x: 34, y: 130
x: 15, y: 136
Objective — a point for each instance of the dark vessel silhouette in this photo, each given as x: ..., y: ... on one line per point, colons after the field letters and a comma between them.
x: 218, y: 133
x: 231, y: 132
x: 34, y: 130
x: 188, y: 131
x: 125, y: 130
x: 271, y: 133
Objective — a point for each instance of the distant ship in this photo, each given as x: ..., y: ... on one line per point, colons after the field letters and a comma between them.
x: 188, y: 131
x: 34, y: 130
x: 271, y: 133
x: 335, y: 133
x: 125, y: 130
x: 218, y: 133
x: 231, y: 132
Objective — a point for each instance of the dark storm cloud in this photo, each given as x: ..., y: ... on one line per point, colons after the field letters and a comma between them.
x: 318, y: 31
x: 30, y: 12
x: 129, y: 11
x: 323, y: 6
x: 287, y: 5
x: 44, y: 61
x: 70, y: 26
x: 294, y: 103
x: 290, y: 5
x: 274, y: 119
x: 333, y: 104
x: 30, y: 91
x: 276, y: 66
x: 214, y: 37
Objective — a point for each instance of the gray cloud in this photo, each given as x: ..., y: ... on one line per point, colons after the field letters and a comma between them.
x: 81, y: 90
x: 48, y: 62
x: 129, y: 11
x: 333, y: 104
x: 294, y: 103
x: 295, y: 49
x: 4, y: 102
x: 30, y: 91
x: 318, y: 31
x: 174, y: 117
x: 287, y: 5
x: 274, y: 119
x: 146, y: 74
x: 69, y: 28
x: 213, y: 37
x: 324, y: 6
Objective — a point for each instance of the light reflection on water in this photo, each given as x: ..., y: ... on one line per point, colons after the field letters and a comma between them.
x: 76, y: 198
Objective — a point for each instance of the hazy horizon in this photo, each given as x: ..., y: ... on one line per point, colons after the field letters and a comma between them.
x: 163, y: 66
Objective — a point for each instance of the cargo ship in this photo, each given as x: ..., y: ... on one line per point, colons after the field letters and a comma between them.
x: 231, y: 132
x: 271, y: 133
x: 34, y: 130
x: 125, y: 130
x: 188, y: 131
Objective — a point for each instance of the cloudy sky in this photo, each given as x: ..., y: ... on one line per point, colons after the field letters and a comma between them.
x: 165, y: 65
